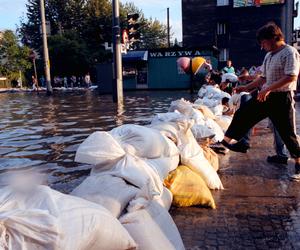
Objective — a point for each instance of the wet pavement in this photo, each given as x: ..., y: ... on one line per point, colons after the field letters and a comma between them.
x: 259, y: 208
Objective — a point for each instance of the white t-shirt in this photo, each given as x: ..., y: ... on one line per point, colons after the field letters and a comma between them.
x: 285, y: 62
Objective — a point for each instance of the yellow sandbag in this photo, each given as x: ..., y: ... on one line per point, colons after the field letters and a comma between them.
x: 188, y: 188
x: 223, y: 124
x: 211, y: 156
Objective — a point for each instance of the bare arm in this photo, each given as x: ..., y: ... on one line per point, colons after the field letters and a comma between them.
x: 252, y: 85
x: 281, y: 82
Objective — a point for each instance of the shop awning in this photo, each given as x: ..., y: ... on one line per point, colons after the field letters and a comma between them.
x: 135, y: 56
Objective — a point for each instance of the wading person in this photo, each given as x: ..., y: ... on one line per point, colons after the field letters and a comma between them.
x: 275, y: 99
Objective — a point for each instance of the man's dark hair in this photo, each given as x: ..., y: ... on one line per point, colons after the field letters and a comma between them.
x: 225, y: 100
x: 216, y: 78
x: 269, y: 31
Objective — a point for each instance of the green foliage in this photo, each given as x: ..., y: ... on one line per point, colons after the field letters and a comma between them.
x: 13, y: 56
x: 68, y: 54
x: 79, y: 29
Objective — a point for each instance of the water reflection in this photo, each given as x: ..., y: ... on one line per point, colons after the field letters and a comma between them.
x: 43, y: 133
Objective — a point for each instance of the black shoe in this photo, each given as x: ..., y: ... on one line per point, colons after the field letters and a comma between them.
x: 277, y: 159
x: 241, y: 146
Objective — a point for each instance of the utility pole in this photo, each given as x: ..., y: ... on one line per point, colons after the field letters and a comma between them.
x: 45, y: 47
x: 117, y: 58
x: 168, y: 26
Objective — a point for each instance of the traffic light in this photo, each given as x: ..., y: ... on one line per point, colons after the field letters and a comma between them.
x: 133, y: 27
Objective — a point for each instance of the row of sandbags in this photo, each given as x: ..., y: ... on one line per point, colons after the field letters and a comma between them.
x: 124, y: 203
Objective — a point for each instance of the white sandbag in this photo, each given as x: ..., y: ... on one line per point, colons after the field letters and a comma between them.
x: 111, y: 192
x: 164, y: 165
x: 100, y: 148
x: 183, y: 106
x: 218, y: 109
x: 230, y: 76
x: 152, y: 228
x: 166, y: 198
x: 137, y: 172
x: 219, y: 134
x: 192, y: 156
x: 209, y: 102
x: 168, y: 129
x: 142, y: 141
x: 223, y: 121
x: 42, y: 218
x: 167, y: 117
x: 198, y: 117
x: 202, y: 131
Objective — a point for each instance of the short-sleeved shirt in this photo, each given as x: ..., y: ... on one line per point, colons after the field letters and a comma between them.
x: 228, y: 70
x: 285, y: 62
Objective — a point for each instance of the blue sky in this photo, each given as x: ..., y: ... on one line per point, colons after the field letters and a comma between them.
x: 12, y: 10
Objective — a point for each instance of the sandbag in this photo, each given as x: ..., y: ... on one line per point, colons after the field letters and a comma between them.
x: 188, y: 188
x: 142, y: 141
x: 219, y: 134
x: 111, y: 192
x: 100, y: 149
x: 183, y: 106
x: 165, y: 200
x: 192, y: 156
x: 223, y: 121
x: 137, y: 172
x: 42, y: 218
x: 152, y: 227
x: 167, y: 117
x: 211, y: 156
x: 206, y: 112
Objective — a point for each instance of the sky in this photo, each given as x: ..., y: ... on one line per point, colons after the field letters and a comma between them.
x: 12, y: 10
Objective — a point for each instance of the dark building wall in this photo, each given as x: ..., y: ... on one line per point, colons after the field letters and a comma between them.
x: 200, y: 20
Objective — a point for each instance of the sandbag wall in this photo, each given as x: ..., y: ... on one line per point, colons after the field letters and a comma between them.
x: 137, y: 173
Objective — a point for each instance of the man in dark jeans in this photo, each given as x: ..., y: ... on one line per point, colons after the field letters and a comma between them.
x: 275, y: 100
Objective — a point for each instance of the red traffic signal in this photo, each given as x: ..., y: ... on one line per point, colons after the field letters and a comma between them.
x: 132, y: 18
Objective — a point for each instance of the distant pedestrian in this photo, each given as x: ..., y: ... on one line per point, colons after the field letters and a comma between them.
x: 65, y: 79
x: 73, y: 81
x: 87, y: 80
x: 228, y: 68
x: 34, y: 83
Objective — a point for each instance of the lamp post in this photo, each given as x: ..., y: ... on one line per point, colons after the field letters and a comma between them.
x: 45, y: 47
x: 117, y: 58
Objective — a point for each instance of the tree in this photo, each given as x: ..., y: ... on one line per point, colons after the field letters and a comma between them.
x: 13, y: 56
x: 68, y: 54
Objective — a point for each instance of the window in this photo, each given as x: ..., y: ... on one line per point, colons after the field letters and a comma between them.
x: 221, y: 28
x: 222, y: 2
x: 224, y: 54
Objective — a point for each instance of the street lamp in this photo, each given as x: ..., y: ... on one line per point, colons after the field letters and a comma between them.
x: 117, y: 58
x: 45, y: 47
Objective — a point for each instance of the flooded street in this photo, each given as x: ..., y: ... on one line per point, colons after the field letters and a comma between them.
x: 259, y: 208
x: 43, y: 133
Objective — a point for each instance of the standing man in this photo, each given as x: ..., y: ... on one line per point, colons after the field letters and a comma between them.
x: 275, y: 100
x: 228, y: 68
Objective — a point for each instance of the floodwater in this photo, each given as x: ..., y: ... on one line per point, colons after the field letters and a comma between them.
x: 43, y: 133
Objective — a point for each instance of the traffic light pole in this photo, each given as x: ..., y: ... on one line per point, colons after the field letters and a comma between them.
x: 117, y: 58
x: 45, y: 47
x: 168, y: 26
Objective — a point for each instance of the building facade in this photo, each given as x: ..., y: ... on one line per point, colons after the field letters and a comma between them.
x: 231, y: 26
